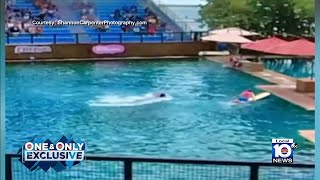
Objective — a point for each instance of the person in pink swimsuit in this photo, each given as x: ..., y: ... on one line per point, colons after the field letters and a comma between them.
x: 246, y: 95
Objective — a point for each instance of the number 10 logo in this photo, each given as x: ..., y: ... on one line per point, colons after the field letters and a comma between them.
x: 282, y: 150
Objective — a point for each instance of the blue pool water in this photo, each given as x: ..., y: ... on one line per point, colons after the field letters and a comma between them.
x: 298, y: 68
x: 197, y: 122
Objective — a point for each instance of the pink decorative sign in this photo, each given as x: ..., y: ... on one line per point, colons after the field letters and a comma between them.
x: 108, y: 49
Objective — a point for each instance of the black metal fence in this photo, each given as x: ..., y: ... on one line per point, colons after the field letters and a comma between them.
x: 127, y: 168
x: 83, y: 38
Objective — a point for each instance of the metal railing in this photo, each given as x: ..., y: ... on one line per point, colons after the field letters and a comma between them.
x: 85, y: 38
x: 127, y: 168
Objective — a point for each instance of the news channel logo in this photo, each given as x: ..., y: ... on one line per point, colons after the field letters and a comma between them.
x: 282, y: 150
x: 40, y: 153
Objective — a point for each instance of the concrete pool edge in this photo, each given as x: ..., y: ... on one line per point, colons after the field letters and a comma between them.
x: 289, y: 95
x: 308, y: 134
x: 281, y: 85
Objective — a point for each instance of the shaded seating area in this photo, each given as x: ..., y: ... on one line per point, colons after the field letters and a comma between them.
x: 155, y: 30
x: 38, y: 34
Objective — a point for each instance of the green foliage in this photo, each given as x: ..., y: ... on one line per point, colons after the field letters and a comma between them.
x: 226, y: 13
x: 274, y: 16
x: 264, y: 16
x: 307, y: 6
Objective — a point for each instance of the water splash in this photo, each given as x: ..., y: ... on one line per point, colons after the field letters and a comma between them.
x: 119, y: 101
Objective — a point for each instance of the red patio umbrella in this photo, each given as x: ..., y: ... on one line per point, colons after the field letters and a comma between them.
x: 262, y: 45
x: 301, y: 47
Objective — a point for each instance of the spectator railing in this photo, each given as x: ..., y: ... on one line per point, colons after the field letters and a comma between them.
x: 106, y: 37
x: 128, y: 168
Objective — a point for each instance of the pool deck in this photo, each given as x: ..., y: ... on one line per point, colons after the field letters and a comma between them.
x: 308, y: 134
x: 305, y: 101
x: 283, y: 86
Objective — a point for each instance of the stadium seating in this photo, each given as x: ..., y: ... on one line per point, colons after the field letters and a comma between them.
x: 104, y: 10
x: 63, y: 34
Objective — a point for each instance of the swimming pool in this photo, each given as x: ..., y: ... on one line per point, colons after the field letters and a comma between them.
x: 198, y: 122
x: 298, y: 68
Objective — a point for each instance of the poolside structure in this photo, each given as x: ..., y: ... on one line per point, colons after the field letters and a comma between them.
x: 305, y: 101
x: 308, y: 134
x: 287, y: 88
x: 230, y: 38
x: 296, y: 91
x: 299, y: 48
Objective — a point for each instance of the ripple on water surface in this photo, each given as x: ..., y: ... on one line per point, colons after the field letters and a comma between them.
x: 198, y: 122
